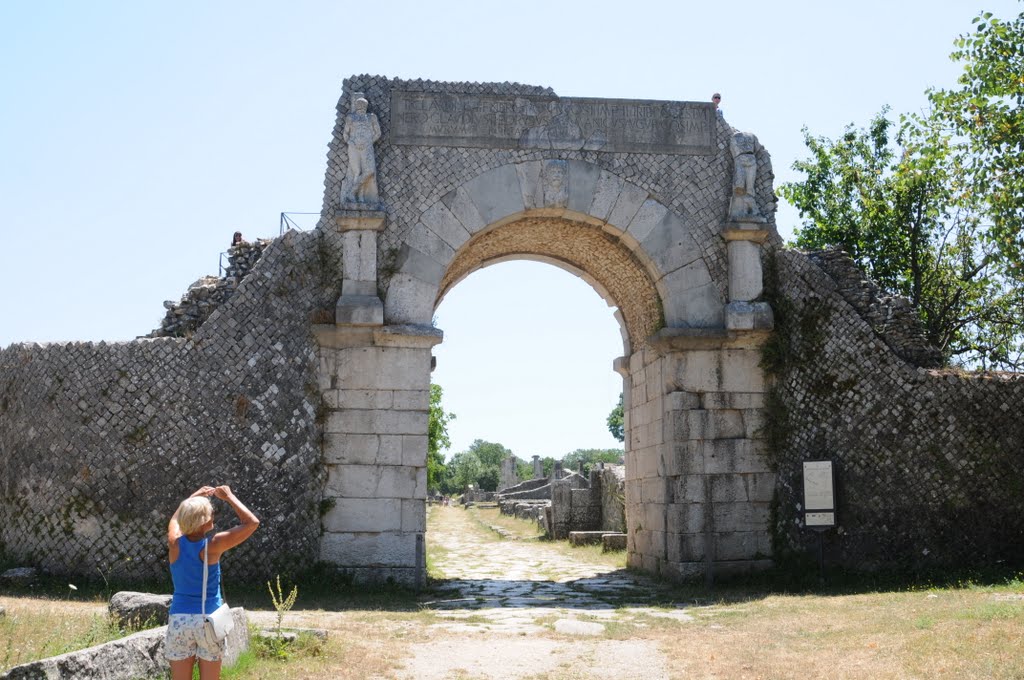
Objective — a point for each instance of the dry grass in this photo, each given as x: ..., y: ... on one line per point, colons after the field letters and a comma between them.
x: 951, y: 633
x: 36, y: 628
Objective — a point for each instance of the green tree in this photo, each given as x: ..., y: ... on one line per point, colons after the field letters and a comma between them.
x: 480, y: 466
x: 617, y: 422
x: 985, y: 119
x: 590, y: 458
x: 437, y: 439
x: 903, y: 201
x: 464, y: 469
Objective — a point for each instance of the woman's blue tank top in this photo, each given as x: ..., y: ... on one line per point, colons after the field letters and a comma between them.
x: 187, y: 576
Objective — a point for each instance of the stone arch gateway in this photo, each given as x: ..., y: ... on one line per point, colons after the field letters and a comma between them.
x: 666, y: 211
x: 661, y: 206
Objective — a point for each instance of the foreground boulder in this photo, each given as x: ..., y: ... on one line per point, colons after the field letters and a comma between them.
x: 138, y: 609
x: 137, y: 656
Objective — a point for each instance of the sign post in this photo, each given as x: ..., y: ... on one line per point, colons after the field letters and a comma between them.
x: 819, y: 503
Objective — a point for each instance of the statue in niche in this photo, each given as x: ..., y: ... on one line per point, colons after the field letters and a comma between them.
x: 742, y: 206
x: 361, y: 130
x: 554, y: 185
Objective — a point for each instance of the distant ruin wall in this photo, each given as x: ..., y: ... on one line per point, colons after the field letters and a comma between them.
x: 100, y: 441
x: 927, y: 461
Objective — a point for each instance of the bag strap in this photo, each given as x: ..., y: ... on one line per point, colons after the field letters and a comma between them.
x: 206, y: 569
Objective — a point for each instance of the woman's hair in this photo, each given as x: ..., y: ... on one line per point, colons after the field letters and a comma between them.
x: 194, y: 513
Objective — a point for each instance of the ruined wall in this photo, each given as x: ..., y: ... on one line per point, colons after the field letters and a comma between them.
x: 927, y: 461
x: 100, y: 441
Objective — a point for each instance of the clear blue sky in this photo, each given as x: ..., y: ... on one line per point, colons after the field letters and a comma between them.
x: 135, y: 137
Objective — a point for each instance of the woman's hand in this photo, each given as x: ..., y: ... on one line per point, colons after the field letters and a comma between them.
x: 203, y: 491
x: 221, y: 492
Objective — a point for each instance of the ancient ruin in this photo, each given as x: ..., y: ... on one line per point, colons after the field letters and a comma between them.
x: 308, y: 376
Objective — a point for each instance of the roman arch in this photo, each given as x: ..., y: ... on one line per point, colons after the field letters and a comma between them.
x: 661, y: 207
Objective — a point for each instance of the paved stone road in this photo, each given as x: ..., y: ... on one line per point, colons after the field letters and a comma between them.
x: 525, y: 609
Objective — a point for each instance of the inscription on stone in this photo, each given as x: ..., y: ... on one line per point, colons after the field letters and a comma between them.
x: 503, y: 121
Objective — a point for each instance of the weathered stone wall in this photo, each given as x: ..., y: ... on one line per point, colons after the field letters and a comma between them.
x: 927, y: 461
x: 100, y: 441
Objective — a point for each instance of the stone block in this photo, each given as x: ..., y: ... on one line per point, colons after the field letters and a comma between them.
x: 411, y: 400
x: 409, y: 300
x: 359, y: 399
x: 688, y: 488
x: 726, y: 400
x: 670, y: 245
x: 654, y: 490
x: 442, y: 222
x: 424, y: 241
x: 384, y: 549
x: 606, y: 192
x: 685, y: 547
x: 582, y: 185
x: 462, y: 206
x: 490, y: 193
x: 363, y: 514
x: 740, y: 517
x: 745, y: 316
x: 741, y: 371
x: 362, y: 449
x: 745, y: 277
x: 761, y: 486
x: 741, y: 545
x: 626, y: 206
x: 372, y: 481
x: 700, y: 307
x: 704, y: 425
x: 352, y: 421
x: 753, y: 422
x: 685, y: 571
x: 359, y: 255
x: 134, y: 608
x: 419, y: 265
x: 728, y: 488
x: 359, y: 310
x: 414, y: 450
x: 654, y: 515
x: 734, y: 456
x: 349, y: 288
x: 685, y: 518
x: 685, y: 457
x: 613, y: 542
x: 383, y: 368
x: 414, y: 516
x: 682, y: 401
x: 651, y: 215
x: 647, y: 463
x: 529, y: 184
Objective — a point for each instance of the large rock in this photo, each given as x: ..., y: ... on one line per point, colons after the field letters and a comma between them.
x: 19, y: 576
x: 137, y: 609
x: 137, y: 656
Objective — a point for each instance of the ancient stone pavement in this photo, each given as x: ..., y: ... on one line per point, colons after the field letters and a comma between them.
x: 526, y: 609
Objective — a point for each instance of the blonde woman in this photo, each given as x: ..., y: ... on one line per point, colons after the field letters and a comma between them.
x: 186, y: 543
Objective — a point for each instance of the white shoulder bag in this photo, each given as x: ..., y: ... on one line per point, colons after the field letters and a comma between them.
x: 219, y: 622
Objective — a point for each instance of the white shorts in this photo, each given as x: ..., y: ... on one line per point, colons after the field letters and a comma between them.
x: 187, y: 636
